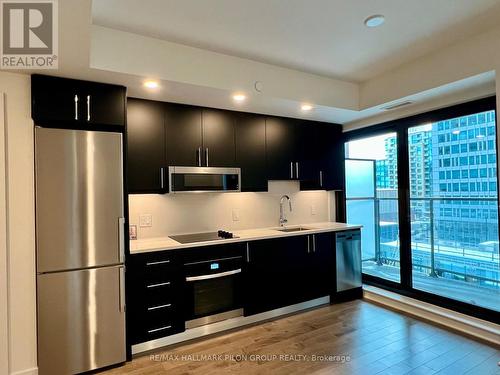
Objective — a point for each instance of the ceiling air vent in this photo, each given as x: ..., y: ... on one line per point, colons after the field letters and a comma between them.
x: 397, y: 105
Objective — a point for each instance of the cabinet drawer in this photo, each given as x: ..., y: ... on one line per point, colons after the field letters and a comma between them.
x: 154, y: 259
x: 157, y: 319
x: 155, y: 269
x: 160, y: 314
x: 165, y: 293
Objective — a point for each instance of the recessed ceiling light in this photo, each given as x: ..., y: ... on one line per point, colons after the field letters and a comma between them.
x: 239, y: 97
x: 375, y: 20
x: 306, y: 107
x: 151, y: 84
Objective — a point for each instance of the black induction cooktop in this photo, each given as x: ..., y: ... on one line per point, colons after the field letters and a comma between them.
x: 201, y: 237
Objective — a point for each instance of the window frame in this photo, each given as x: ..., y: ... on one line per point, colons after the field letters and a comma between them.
x: 401, y: 126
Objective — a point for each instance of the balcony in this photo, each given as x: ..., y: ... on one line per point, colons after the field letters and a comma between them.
x: 454, y: 243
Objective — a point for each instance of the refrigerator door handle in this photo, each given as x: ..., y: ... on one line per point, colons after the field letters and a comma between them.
x: 121, y: 239
x: 121, y: 281
x: 76, y: 106
x: 88, y: 108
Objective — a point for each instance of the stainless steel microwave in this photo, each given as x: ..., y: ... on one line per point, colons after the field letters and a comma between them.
x: 204, y: 179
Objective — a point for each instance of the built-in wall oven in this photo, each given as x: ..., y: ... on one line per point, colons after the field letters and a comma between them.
x: 213, y: 289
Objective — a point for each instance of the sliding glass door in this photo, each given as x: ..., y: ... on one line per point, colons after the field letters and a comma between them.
x: 425, y: 189
x: 372, y: 201
x: 454, y: 209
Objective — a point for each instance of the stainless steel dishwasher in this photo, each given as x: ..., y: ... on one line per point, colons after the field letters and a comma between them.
x: 348, y: 260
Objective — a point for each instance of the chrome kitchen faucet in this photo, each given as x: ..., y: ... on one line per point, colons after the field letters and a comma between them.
x: 283, y: 219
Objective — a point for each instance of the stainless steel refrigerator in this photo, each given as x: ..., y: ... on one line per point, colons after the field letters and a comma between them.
x: 80, y: 250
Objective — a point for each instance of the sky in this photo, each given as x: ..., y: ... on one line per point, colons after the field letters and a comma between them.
x: 368, y: 148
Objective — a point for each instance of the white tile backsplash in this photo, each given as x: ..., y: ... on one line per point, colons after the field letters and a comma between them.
x: 188, y: 213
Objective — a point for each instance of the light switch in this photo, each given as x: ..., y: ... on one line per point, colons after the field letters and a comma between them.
x: 145, y: 220
x: 236, y: 214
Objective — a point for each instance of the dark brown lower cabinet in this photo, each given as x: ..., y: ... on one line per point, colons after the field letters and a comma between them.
x: 154, y: 302
x: 285, y: 271
x: 275, y: 273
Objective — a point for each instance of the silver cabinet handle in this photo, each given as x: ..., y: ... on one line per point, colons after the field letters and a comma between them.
x: 297, y: 169
x: 248, y: 252
x: 291, y: 169
x: 308, y: 244
x: 314, y: 243
x: 213, y: 276
x: 121, y: 238
x: 159, y: 329
x: 206, y: 156
x: 321, y: 178
x: 88, y: 108
x: 157, y: 262
x: 159, y: 307
x: 158, y: 285
x: 76, y: 107
x: 199, y: 156
x: 121, y: 285
x: 162, y: 177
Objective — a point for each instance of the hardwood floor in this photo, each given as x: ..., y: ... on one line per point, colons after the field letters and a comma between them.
x: 351, y: 338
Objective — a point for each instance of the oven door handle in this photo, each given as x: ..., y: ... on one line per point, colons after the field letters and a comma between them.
x: 213, y: 276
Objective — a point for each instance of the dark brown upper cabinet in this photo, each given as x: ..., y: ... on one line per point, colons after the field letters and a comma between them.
x: 331, y: 157
x: 250, y: 139
x: 321, y: 158
x: 218, y: 138
x: 183, y: 135
x: 68, y: 103
x: 282, y: 145
x: 199, y: 137
x: 308, y: 151
x: 264, y: 147
x: 307, y: 154
x: 104, y: 104
x: 146, y: 146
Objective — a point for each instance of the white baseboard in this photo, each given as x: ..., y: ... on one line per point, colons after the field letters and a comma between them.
x: 29, y: 371
x: 481, y: 329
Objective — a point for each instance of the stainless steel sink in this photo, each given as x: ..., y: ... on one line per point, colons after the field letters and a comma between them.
x: 294, y: 229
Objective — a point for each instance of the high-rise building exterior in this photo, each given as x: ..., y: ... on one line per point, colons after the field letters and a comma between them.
x: 453, y: 191
x: 420, y: 158
x: 464, y: 173
x: 387, y: 169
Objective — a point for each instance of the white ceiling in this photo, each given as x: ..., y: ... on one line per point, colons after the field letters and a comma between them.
x: 325, y: 37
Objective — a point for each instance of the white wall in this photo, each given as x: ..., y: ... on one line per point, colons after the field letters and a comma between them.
x: 17, y: 247
x: 466, y: 58
x: 4, y: 340
x: 188, y: 213
x: 482, y: 91
x: 124, y: 52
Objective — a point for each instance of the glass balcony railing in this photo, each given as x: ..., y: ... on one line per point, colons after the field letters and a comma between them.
x: 454, y: 245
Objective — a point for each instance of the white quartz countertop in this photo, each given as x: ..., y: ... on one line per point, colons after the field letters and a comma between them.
x: 166, y: 243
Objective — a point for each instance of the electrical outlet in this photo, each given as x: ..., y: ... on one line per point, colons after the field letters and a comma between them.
x: 145, y: 220
x: 313, y: 209
x: 236, y: 214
